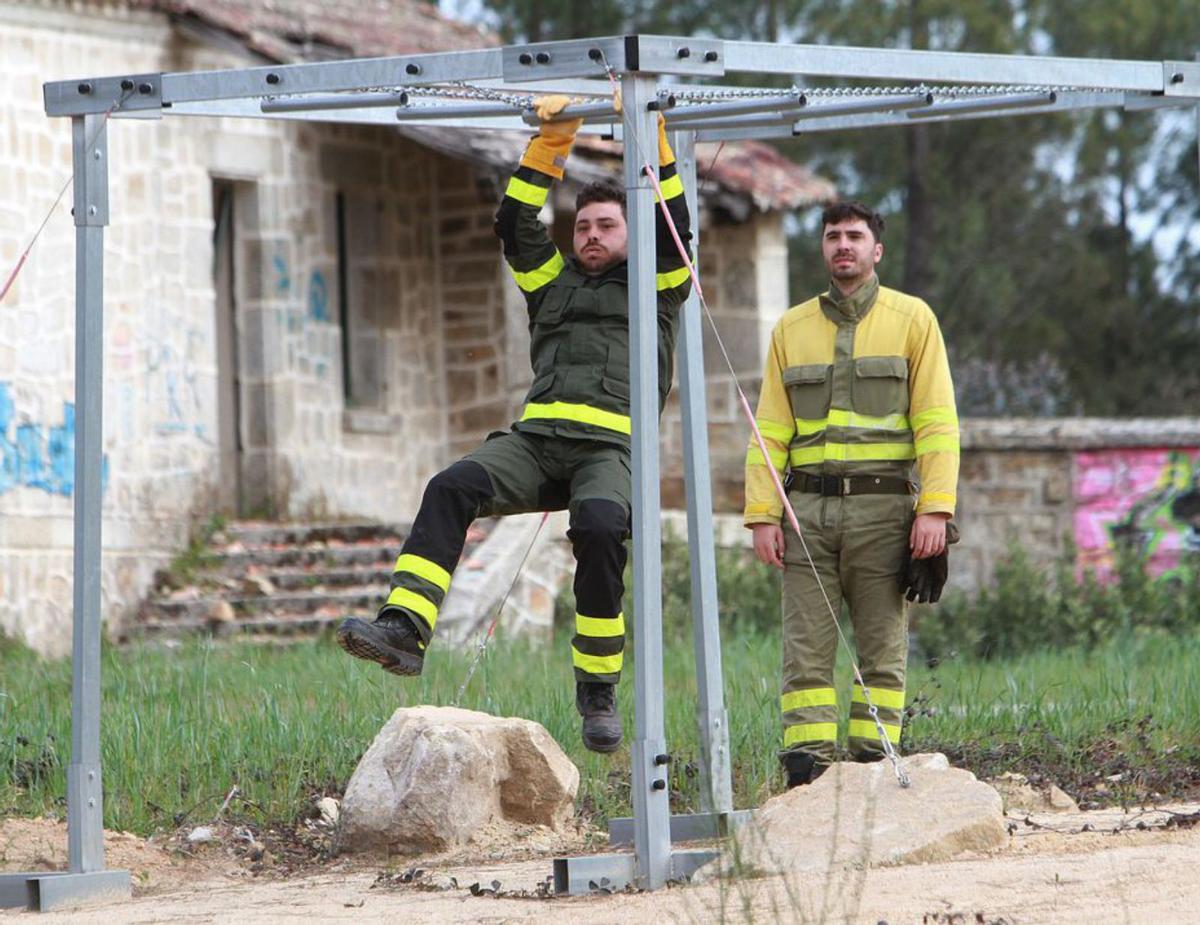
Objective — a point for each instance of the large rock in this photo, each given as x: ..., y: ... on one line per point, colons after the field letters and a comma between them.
x: 857, y: 815
x: 436, y: 776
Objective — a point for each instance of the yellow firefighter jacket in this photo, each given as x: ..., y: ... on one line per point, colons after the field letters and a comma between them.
x: 856, y: 385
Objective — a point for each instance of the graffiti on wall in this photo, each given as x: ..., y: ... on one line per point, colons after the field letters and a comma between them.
x: 35, y: 455
x: 1147, y: 498
x: 172, y: 393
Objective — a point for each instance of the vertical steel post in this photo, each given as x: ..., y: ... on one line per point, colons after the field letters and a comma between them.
x: 716, y: 789
x: 651, y: 807
x: 85, y: 831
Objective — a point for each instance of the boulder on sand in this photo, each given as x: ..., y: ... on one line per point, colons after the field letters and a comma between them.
x: 857, y: 815
x: 434, y: 776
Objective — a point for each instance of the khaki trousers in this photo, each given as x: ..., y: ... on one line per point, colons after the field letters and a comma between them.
x: 857, y: 546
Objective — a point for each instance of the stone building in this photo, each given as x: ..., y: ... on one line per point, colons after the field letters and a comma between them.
x: 302, y: 320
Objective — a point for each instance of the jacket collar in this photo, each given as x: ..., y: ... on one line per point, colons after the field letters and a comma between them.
x: 852, y: 307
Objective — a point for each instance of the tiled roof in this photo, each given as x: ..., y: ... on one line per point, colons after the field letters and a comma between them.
x: 308, y: 30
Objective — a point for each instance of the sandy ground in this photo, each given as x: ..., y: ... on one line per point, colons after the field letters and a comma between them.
x: 1057, y: 868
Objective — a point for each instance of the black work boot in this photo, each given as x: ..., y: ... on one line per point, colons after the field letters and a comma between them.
x: 597, y: 704
x: 391, y: 640
x: 801, y: 767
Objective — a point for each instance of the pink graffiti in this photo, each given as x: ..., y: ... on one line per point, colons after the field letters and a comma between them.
x: 1146, y: 497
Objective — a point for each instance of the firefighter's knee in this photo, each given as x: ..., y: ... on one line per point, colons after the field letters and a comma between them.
x: 465, y: 479
x: 597, y: 524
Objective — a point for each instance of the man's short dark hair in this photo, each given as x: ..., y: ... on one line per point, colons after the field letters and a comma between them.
x: 840, y: 212
x: 601, y: 191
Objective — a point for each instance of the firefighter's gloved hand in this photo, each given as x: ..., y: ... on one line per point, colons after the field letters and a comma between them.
x: 548, y: 108
x: 922, y: 580
x: 548, y: 151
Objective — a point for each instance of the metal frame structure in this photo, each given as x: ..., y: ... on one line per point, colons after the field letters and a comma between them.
x: 496, y: 85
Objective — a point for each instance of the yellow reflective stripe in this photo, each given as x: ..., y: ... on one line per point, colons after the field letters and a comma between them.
x: 809, y: 732
x: 536, y: 279
x: 937, y: 496
x: 812, y: 697
x: 938, y: 443
x: 865, y: 729
x: 852, y: 452
x: 596, y: 664
x: 780, y: 433
x: 600, y: 627
x: 402, y: 597
x: 528, y: 193
x: 754, y: 457
x: 881, y: 697
x: 584, y: 414
x: 671, y: 187
x: 929, y: 416
x: 839, y: 418
x: 423, y: 568
x: 671, y: 280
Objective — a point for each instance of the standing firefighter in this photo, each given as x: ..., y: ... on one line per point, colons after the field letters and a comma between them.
x: 856, y: 387
x: 570, y: 449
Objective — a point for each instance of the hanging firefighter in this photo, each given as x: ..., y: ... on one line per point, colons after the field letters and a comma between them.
x: 570, y: 449
x: 855, y: 389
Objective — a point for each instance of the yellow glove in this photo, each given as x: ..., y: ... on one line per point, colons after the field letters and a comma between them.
x: 548, y: 152
x: 665, y: 154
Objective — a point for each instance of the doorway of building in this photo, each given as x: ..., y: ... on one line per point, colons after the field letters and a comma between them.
x: 229, y: 430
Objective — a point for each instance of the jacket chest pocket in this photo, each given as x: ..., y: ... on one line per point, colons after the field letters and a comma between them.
x: 808, y: 388
x: 553, y: 306
x: 880, y: 385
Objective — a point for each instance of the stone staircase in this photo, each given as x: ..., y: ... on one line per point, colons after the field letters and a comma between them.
x: 264, y: 579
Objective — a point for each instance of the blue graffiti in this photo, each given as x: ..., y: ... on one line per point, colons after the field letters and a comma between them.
x: 283, y: 281
x: 36, y: 456
x: 318, y: 297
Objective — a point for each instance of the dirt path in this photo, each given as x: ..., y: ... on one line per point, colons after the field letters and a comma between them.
x: 1053, y: 871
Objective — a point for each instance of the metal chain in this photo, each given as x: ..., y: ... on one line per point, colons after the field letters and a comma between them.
x: 713, y: 95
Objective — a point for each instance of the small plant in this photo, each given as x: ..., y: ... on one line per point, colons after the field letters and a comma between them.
x: 188, y: 567
x: 1029, y: 608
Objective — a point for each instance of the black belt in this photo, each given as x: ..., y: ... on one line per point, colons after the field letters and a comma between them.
x: 836, y: 486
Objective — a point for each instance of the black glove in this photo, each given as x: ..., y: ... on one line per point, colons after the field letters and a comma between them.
x: 922, y: 580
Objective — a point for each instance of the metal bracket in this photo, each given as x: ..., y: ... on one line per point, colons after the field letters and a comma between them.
x: 691, y: 827
x: 128, y: 93
x: 1181, y: 78
x: 624, y: 54
x: 613, y: 873
x: 44, y: 891
x: 546, y: 60
x: 674, y: 55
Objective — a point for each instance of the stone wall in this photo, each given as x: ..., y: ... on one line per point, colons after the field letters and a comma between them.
x: 1033, y: 482
x: 306, y: 448
x: 159, y: 365
x: 743, y: 269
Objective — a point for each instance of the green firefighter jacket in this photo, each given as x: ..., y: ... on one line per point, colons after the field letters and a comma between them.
x: 579, y: 324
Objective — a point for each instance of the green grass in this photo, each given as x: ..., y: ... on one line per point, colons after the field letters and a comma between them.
x: 183, y: 726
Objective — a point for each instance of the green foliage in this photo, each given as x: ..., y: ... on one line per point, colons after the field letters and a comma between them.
x: 186, y: 567
x: 182, y: 727
x: 1030, y: 608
